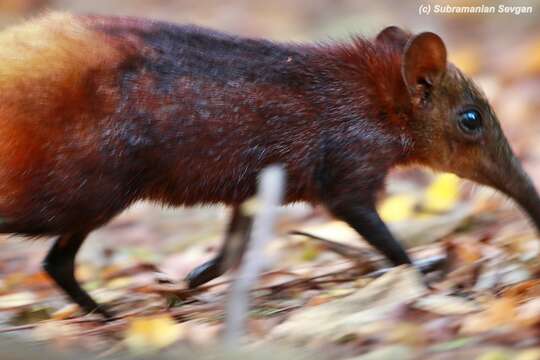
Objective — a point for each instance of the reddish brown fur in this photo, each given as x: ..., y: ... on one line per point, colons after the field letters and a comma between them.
x: 72, y: 156
x: 125, y: 110
x: 97, y: 113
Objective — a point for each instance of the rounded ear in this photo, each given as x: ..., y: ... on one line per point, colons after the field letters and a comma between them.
x: 394, y: 37
x: 424, y: 62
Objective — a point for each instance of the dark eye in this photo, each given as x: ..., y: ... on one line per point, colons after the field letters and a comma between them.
x: 470, y: 121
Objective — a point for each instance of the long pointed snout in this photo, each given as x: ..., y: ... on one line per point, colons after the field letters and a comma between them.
x: 513, y: 181
x: 522, y: 190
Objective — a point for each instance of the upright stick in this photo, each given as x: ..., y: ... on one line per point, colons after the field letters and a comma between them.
x: 269, y: 197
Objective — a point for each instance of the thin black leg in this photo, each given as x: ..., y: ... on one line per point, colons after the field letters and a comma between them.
x: 60, y: 265
x: 366, y: 221
x: 230, y: 254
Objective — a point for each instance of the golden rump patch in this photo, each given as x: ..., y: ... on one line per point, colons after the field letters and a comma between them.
x: 57, y: 78
x: 49, y: 54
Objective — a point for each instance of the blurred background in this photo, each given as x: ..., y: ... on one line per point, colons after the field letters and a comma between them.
x: 501, y: 51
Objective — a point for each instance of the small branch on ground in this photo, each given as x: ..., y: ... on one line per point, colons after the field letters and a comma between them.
x: 360, y: 256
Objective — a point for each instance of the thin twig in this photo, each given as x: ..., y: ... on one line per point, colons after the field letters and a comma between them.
x: 270, y: 194
x: 18, y: 328
x: 358, y: 255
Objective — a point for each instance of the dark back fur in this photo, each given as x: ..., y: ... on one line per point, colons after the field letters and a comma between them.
x: 194, y: 115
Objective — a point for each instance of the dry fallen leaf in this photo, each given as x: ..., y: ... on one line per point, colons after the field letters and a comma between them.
x: 524, y: 290
x: 528, y: 314
x: 17, y: 300
x: 202, y: 333
x: 53, y: 330
x: 407, y: 333
x: 390, y: 352
x: 397, y: 208
x: 529, y: 354
x: 494, y: 355
x: 147, y: 334
x: 421, y: 230
x: 498, y: 312
x: 446, y: 305
x: 443, y: 194
x: 66, y: 312
x: 363, y: 309
x: 334, y: 230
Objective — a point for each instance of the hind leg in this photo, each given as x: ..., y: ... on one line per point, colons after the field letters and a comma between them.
x: 230, y: 254
x: 60, y: 265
